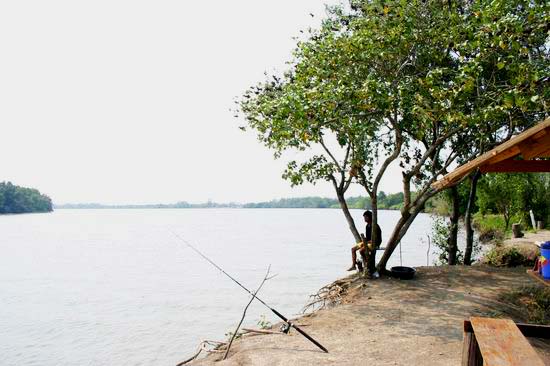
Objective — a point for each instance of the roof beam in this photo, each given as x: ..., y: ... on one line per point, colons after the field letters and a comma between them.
x: 504, y: 155
x: 517, y: 166
x: 532, y: 148
x: 503, y: 152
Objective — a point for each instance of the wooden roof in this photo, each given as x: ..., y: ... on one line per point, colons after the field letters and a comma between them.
x: 531, y: 144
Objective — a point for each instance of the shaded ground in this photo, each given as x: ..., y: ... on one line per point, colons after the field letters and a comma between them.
x: 391, y: 322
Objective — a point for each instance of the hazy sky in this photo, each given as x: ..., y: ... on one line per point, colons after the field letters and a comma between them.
x: 128, y: 101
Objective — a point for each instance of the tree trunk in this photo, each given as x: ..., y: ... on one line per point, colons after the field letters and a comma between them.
x: 468, y: 219
x: 374, y: 206
x: 506, y: 218
x: 399, y: 230
x: 453, y: 234
x: 349, y: 218
x: 407, y: 217
x: 373, y: 236
x: 516, y: 230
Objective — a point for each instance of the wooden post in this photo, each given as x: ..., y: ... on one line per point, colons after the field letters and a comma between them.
x: 516, y: 230
x: 539, y: 225
x: 533, y: 220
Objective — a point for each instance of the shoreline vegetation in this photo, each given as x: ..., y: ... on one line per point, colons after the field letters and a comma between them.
x: 16, y: 200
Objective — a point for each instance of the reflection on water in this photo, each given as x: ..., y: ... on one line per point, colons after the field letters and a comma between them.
x: 116, y: 287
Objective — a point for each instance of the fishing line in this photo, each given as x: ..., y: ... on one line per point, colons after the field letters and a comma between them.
x: 290, y: 324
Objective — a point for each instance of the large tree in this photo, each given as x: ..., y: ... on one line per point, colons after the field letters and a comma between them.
x: 388, y: 81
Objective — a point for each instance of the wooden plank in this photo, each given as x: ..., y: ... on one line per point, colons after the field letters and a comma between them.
x: 533, y: 147
x: 538, y: 277
x: 502, y: 344
x: 517, y: 166
x: 461, y: 171
x: 545, y: 154
x: 528, y: 330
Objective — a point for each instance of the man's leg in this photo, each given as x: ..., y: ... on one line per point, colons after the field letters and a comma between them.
x: 353, y: 257
x: 363, y: 253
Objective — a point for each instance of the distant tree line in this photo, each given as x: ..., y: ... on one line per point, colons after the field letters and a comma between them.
x: 390, y: 201
x: 15, y: 199
x: 181, y: 204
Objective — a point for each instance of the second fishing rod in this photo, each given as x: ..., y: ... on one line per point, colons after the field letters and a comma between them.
x: 285, y: 319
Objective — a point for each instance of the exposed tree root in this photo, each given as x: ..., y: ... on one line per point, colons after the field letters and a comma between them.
x: 334, y: 294
x: 206, y: 346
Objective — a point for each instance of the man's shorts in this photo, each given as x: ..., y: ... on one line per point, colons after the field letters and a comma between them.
x: 360, y: 246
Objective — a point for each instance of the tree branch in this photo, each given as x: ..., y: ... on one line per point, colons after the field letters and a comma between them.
x: 322, y: 142
x: 392, y: 157
x: 441, y: 139
x: 266, y: 277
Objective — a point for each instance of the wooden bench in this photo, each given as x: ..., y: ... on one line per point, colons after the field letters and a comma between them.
x: 492, y: 342
x: 538, y: 277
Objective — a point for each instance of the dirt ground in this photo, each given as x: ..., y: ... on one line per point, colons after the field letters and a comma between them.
x: 526, y: 244
x: 391, y: 322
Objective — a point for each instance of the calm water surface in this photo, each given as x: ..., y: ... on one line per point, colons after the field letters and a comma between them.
x: 116, y: 287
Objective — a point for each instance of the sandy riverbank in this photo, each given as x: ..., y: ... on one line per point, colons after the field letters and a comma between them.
x: 392, y: 322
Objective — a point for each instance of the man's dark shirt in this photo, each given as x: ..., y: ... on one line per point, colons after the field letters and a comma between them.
x: 368, y: 234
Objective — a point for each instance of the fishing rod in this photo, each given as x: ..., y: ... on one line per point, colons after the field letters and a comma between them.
x: 288, y: 322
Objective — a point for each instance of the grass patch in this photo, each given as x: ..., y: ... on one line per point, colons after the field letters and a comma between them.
x: 533, y: 301
x: 490, y: 227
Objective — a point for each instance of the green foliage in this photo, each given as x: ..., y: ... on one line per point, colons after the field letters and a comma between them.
x: 385, y: 70
x: 438, y: 205
x: 229, y: 336
x: 508, y: 256
x: 535, y: 301
x: 513, y: 195
x: 425, y: 82
x: 263, y: 323
x: 440, y: 234
x: 15, y: 199
x: 489, y: 227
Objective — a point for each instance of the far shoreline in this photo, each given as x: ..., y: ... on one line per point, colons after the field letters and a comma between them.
x: 145, y: 207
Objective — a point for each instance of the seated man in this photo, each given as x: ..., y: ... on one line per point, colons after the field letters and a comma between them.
x: 366, y: 247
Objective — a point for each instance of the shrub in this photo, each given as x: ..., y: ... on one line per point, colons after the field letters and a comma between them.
x: 506, y: 256
x: 441, y: 230
x: 488, y: 234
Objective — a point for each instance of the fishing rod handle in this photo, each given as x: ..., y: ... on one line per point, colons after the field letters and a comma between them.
x: 309, y: 338
x: 300, y: 331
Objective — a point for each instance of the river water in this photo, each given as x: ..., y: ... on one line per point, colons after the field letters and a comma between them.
x: 116, y: 287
